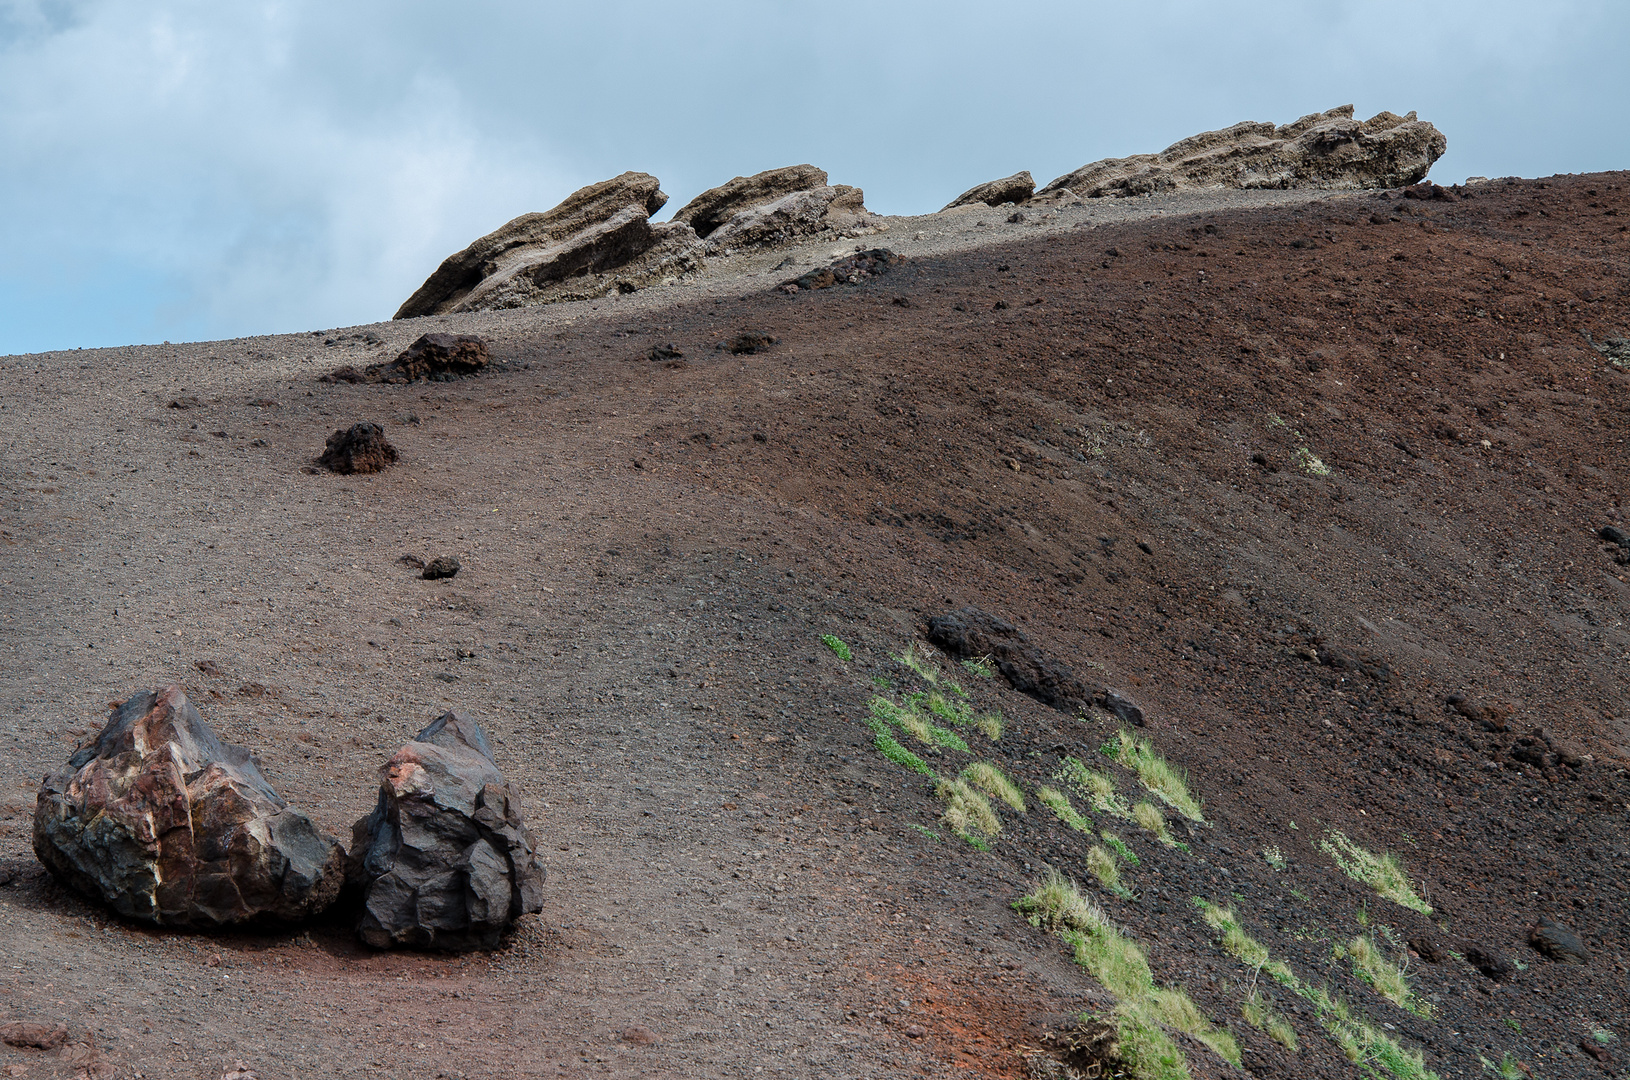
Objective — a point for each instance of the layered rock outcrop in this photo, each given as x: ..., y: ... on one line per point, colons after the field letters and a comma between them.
x: 1329, y: 150
x: 163, y: 822
x: 599, y: 240
x: 778, y: 206
x: 1013, y: 189
x: 444, y: 861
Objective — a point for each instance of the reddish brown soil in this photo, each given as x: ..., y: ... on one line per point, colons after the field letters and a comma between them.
x: 1110, y: 460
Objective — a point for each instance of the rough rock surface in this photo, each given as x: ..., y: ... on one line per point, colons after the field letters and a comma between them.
x: 568, y: 252
x: 444, y: 861
x: 165, y: 823
x: 971, y: 633
x: 438, y: 357
x: 442, y: 566
x: 831, y: 208
x: 361, y: 448
x: 716, y: 206
x: 1014, y: 189
x: 1558, y: 942
x: 1322, y: 150
x: 850, y: 270
x: 30, y: 1036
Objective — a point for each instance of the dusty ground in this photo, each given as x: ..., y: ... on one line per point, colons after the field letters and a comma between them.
x: 739, y: 884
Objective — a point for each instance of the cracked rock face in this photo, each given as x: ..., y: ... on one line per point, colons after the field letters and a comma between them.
x: 444, y: 861
x: 599, y: 240
x: 1328, y: 150
x: 1013, y: 189
x: 163, y: 822
x: 775, y: 207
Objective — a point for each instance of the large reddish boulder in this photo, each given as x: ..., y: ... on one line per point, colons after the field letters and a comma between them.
x: 162, y: 821
x: 444, y: 861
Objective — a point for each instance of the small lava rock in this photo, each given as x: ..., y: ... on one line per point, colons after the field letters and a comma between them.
x: 749, y: 343
x: 29, y: 1036
x: 362, y: 448
x: 1490, y: 963
x: 1558, y: 942
x: 442, y: 566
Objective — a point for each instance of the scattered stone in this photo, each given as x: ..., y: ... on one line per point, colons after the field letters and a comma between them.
x: 748, y: 343
x: 442, y: 566
x: 915, y: 1031
x: 1492, y: 716
x: 239, y: 1071
x: 1328, y: 150
x: 437, y: 357
x: 444, y: 861
x: 165, y: 823
x: 29, y: 1036
x: 1614, y: 535
x: 1556, y: 941
x: 849, y: 270
x: 1121, y: 709
x: 1490, y: 963
x: 1429, y: 190
x: 1596, y: 1050
x: 971, y: 633
x: 1429, y: 948
x: 1361, y: 662
x: 185, y: 403
x: 600, y: 240
x: 1014, y: 189
x: 362, y: 448
x: 640, y: 1036
x: 1015, y: 218
x: 346, y: 374
x: 411, y: 561
x: 663, y: 352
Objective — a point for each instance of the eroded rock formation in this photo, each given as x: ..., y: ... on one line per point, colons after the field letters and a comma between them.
x: 778, y: 206
x: 163, y: 822
x: 1328, y: 150
x: 599, y: 240
x: 1014, y: 189
x: 360, y: 448
x: 444, y: 861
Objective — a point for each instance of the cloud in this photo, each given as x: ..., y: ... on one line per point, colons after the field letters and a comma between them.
x: 178, y: 169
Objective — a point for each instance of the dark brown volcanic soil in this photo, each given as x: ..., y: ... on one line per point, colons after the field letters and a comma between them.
x: 1110, y: 437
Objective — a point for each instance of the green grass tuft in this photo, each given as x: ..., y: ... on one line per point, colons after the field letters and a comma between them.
x: 835, y: 643
x: 1384, y: 873
x: 981, y: 666
x: 1274, y: 857
x: 993, y: 782
x: 1059, y: 803
x: 1160, y: 777
x: 1102, y: 865
x: 916, y: 660
x: 1387, y: 978
x: 889, y: 748
x: 991, y: 724
x: 967, y: 812
x: 1509, y: 1067
x: 1127, y: 855
x: 1260, y: 1016
x: 1149, y: 816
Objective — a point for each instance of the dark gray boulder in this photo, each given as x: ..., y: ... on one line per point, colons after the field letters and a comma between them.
x: 163, y: 822
x: 444, y: 861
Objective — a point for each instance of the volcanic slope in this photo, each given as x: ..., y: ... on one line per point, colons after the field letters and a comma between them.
x: 1318, y: 487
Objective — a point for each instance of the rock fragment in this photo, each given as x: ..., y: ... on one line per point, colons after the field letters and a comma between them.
x: 715, y: 207
x: 31, y: 1036
x: 1557, y: 941
x: 1489, y: 962
x: 778, y: 206
x: 1013, y: 189
x: 442, y: 566
x: 748, y: 343
x: 972, y: 633
x: 1328, y: 150
x: 165, y: 823
x: 849, y: 270
x: 444, y: 861
x: 437, y: 357
x: 361, y: 448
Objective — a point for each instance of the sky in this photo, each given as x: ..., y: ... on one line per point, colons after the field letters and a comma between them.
x: 183, y: 171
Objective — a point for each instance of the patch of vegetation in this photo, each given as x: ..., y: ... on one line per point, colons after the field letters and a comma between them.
x: 1059, y: 803
x: 836, y: 644
x: 1127, y: 855
x: 1096, y: 787
x: 1308, y: 463
x: 919, y: 663
x: 1115, y: 960
x: 1387, y: 978
x: 1513, y: 1023
x: 882, y: 682
x: 1602, y: 1036
x: 1509, y: 1067
x: 925, y: 830
x: 1384, y: 873
x: 891, y: 749
x: 1274, y: 857
x: 993, y: 782
x: 990, y: 724
x: 1260, y: 1016
x: 967, y: 812
x: 981, y: 666
x: 1362, y: 1042
x: 1155, y: 773
x: 887, y: 713
x: 1149, y: 816
x: 1102, y: 865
